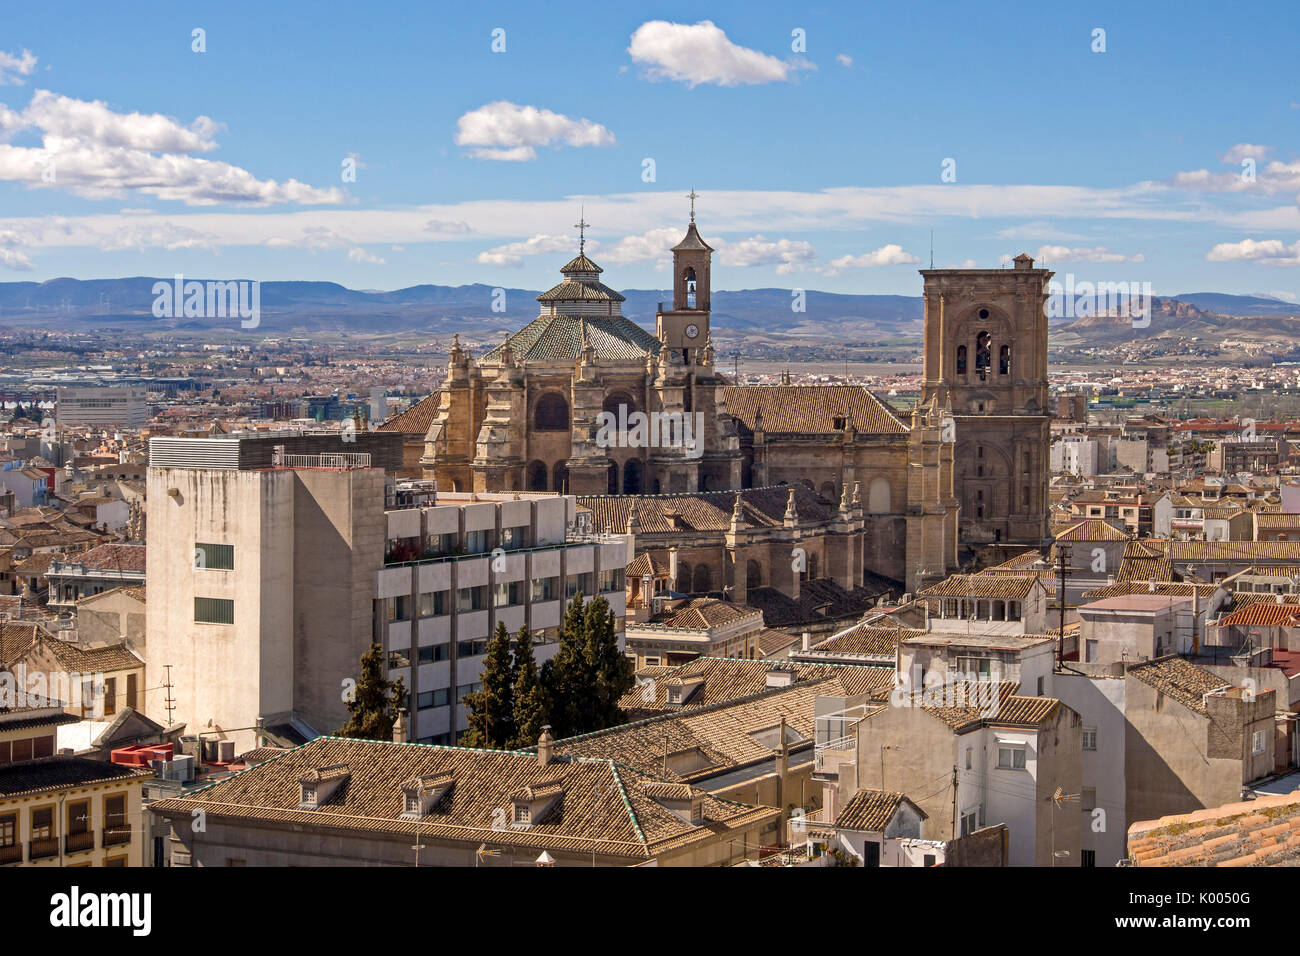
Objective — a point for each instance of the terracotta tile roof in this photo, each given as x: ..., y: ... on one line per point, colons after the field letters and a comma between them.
x: 415, y: 420
x: 653, y: 563
x: 975, y: 704
x: 16, y: 638
x: 873, y: 640
x: 1263, y: 614
x: 983, y: 585
x: 113, y: 557
x: 714, y: 739
x: 62, y: 773
x: 603, y: 808
x: 810, y: 409
x: 1092, y: 529
x: 134, y: 591
x: 1275, y: 521
x: 871, y: 810
x: 820, y: 599
x: 1260, y: 832
x: 1254, y: 551
x: 1121, y: 588
x: 724, y: 679
x: 1180, y: 679
x: 705, y: 613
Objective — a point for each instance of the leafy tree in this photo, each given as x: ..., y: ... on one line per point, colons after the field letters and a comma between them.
x: 375, y: 701
x: 530, y: 698
x: 491, y: 710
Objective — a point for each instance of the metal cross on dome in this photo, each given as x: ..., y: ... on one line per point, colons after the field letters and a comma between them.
x: 581, y: 225
x: 692, y: 196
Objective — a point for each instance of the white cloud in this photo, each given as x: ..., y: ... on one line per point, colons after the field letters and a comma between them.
x: 887, y: 255
x: 165, y: 235
x: 445, y: 227
x: 1272, y: 252
x: 1039, y: 229
x: 843, y: 59
x: 15, y: 66
x: 1242, y: 151
x: 786, y: 254
x: 65, y: 118
x: 357, y: 254
x: 512, y: 253
x: 12, y: 255
x: 701, y: 53
x: 97, y: 153
x: 1057, y: 254
x: 650, y: 246
x: 509, y: 132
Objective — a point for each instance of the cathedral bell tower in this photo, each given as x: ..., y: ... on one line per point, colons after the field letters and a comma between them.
x: 686, y: 328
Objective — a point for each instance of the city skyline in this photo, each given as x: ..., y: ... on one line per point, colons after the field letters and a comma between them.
x: 1035, y: 134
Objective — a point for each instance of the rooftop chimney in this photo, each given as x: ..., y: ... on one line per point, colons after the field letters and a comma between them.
x: 545, y: 747
x: 807, y: 640
x: 400, y: 735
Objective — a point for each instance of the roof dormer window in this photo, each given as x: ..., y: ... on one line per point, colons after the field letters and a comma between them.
x: 317, y: 785
x: 421, y: 794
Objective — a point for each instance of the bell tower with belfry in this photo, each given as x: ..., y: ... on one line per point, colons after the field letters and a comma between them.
x: 986, y: 363
x: 686, y: 328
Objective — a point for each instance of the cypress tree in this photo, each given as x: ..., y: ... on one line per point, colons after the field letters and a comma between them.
x: 611, y: 671
x: 530, y: 701
x: 564, y: 676
x: 375, y: 702
x: 491, y: 710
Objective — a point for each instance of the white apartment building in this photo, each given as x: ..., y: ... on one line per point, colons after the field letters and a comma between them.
x: 102, y: 405
x: 274, y: 562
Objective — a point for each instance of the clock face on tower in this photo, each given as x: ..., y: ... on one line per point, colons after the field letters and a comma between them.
x: 692, y: 331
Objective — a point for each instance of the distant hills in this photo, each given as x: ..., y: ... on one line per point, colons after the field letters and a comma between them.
x: 306, y: 307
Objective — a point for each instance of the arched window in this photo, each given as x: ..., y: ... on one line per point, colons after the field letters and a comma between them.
x: 615, y: 401
x: 812, y: 567
x: 753, y: 575
x: 611, y: 482
x: 683, y: 577
x: 878, y: 497
x: 828, y: 490
x: 536, y: 476
x: 983, y: 353
x: 703, y: 579
x: 690, y: 287
x: 632, y: 477
x: 560, y: 478
x: 551, y: 413
x: 961, y: 360
x: 1004, y: 360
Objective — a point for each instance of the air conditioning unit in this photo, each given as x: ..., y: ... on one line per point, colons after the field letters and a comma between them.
x: 226, y: 748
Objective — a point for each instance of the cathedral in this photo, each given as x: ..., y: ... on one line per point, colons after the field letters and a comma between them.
x: 548, y: 409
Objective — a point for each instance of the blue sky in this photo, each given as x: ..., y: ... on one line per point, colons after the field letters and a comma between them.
x: 125, y: 152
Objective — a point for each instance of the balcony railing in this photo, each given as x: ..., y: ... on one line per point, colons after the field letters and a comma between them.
x: 839, y: 745
x: 11, y: 854
x: 79, y: 842
x: 115, y: 835
x: 43, y: 849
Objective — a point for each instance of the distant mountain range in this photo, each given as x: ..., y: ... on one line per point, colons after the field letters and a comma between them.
x: 305, y: 307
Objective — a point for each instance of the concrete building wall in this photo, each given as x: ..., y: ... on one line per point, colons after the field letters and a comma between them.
x: 1099, y: 701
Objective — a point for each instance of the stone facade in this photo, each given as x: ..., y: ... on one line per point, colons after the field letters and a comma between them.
x: 986, y: 361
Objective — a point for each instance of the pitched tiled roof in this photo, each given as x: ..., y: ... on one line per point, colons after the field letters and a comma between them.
x: 653, y: 563
x: 810, y: 409
x: 872, y: 640
x: 1180, y: 679
x: 692, y: 242
x: 1141, y: 586
x: 1276, y: 521
x: 1184, y: 551
x: 555, y: 338
x: 604, y: 806
x: 1091, y: 529
x: 705, y: 613
x: 1260, y: 832
x: 113, y: 557
x: 61, y: 773
x: 871, y: 810
x: 725, y: 679
x: 1263, y: 614
x: 983, y: 586
x: 416, y: 419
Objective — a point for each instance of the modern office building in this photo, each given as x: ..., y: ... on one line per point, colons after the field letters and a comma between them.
x: 274, y: 562
x: 122, y: 405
